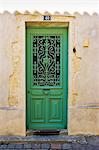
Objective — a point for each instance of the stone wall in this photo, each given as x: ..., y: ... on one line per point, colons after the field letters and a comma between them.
x: 83, y: 105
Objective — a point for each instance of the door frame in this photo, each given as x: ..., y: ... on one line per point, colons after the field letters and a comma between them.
x: 19, y: 46
x: 49, y: 25
x: 37, y: 19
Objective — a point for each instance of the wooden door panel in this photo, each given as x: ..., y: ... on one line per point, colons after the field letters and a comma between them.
x: 47, y: 74
x: 55, y: 110
x: 37, y: 111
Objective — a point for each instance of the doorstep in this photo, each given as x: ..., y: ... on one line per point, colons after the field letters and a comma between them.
x: 47, y: 132
x: 43, y: 139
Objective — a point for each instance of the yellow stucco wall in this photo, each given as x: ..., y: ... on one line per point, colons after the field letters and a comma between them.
x: 84, y: 105
x: 83, y: 71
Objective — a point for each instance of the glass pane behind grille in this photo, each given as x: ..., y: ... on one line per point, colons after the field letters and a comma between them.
x: 46, y: 60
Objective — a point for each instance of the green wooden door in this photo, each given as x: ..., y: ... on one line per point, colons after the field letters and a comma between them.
x: 47, y: 78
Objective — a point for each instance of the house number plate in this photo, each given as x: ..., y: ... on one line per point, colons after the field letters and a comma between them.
x: 46, y: 17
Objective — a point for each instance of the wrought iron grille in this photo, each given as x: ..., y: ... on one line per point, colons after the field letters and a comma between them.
x: 46, y: 60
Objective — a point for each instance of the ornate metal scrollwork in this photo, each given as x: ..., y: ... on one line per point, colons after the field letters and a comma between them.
x: 46, y: 60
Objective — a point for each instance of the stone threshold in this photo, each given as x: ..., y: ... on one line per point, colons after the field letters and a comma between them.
x: 43, y: 139
x: 47, y: 132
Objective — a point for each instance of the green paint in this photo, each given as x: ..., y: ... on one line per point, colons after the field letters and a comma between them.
x: 47, y: 104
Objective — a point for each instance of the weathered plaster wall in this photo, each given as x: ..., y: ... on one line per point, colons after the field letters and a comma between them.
x: 12, y: 95
x: 83, y: 109
x: 84, y: 105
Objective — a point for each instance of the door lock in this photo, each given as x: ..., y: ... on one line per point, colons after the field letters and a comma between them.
x: 46, y: 91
